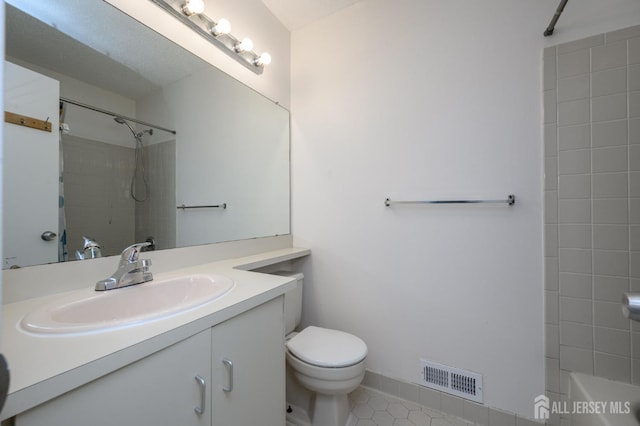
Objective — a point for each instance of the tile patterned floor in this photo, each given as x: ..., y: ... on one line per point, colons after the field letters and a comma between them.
x: 373, y: 408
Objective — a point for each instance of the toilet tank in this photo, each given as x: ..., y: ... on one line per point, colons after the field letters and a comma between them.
x: 292, y: 302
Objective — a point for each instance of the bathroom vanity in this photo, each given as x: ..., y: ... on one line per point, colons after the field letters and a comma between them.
x: 221, y: 363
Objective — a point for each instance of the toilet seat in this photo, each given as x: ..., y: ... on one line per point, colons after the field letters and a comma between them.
x: 324, y: 347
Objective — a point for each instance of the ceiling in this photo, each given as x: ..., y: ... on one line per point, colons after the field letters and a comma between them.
x: 295, y: 14
x: 117, y: 53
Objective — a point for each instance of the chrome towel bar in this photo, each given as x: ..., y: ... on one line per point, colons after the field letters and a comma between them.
x: 217, y: 206
x: 511, y: 200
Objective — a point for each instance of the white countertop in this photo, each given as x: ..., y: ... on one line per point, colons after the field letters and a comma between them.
x: 45, y: 366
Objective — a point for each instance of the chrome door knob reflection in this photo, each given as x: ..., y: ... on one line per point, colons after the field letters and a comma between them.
x: 48, y: 236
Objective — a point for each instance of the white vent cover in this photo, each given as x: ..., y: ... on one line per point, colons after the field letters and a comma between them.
x: 454, y: 381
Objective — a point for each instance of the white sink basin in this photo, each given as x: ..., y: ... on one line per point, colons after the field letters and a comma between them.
x: 92, y: 311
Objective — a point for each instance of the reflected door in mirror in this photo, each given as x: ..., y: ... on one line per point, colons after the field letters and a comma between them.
x: 31, y: 170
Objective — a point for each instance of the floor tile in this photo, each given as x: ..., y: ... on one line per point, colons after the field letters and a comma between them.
x: 373, y: 408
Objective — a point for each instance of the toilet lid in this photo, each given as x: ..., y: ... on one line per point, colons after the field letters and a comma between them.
x: 324, y: 347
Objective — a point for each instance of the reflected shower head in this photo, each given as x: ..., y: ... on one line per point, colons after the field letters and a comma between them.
x: 121, y: 120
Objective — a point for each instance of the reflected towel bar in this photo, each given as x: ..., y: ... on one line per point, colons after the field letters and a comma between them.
x: 217, y: 206
x: 511, y: 200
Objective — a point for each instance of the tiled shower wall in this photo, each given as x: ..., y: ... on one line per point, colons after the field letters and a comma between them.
x: 98, y: 203
x: 156, y: 217
x: 592, y: 207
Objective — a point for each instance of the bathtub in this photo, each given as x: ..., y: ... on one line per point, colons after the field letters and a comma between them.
x: 595, y: 401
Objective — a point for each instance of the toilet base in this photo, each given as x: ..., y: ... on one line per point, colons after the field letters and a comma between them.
x: 302, y: 403
x: 329, y: 410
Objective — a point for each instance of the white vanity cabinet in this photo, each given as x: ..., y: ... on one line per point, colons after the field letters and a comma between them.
x: 233, y: 372
x: 248, y: 374
x: 160, y: 389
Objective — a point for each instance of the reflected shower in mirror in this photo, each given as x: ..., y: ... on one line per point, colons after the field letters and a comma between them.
x: 145, y: 127
x: 139, y: 171
x: 119, y: 184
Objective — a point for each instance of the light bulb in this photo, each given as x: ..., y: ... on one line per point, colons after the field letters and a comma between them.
x: 264, y: 59
x: 245, y: 45
x: 192, y: 7
x: 221, y: 27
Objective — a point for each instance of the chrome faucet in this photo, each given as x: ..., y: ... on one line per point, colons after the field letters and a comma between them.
x: 131, y: 270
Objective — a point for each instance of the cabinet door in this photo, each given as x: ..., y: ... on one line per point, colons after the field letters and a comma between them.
x: 248, y: 374
x: 160, y: 389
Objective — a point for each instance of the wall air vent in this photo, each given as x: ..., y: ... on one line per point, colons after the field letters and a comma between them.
x: 454, y: 381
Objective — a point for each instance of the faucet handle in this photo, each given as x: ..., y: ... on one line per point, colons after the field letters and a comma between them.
x: 131, y: 253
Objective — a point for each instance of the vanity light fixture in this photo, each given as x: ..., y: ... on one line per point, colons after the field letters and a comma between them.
x: 191, y: 13
x: 244, y: 46
x: 193, y: 7
x: 221, y: 27
x: 264, y: 59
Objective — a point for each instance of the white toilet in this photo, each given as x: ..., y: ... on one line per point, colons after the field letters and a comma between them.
x: 323, y: 367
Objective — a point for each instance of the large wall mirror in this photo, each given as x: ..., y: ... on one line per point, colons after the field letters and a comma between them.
x: 154, y: 143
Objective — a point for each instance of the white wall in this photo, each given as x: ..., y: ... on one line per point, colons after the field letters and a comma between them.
x: 242, y: 153
x: 433, y: 99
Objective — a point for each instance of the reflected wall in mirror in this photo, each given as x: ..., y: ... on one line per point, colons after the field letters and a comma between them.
x: 190, y: 135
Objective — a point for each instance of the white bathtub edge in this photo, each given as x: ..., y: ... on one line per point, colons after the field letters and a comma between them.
x: 597, y: 401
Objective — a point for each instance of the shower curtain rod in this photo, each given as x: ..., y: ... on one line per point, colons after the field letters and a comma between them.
x: 556, y: 15
x: 113, y: 114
